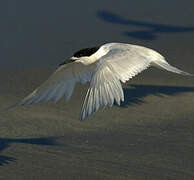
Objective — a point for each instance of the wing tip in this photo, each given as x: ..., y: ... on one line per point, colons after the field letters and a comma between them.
x: 82, y: 117
x: 186, y: 73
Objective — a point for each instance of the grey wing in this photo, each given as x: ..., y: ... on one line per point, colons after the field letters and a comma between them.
x: 105, y: 86
x: 60, y: 83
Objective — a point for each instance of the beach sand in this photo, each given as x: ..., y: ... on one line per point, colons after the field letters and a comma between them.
x: 150, y: 136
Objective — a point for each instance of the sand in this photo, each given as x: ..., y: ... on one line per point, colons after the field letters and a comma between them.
x: 150, y: 136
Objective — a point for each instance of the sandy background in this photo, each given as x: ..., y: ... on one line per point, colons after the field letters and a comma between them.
x: 151, y: 136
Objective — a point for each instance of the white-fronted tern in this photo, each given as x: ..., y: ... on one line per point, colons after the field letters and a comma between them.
x: 105, y: 67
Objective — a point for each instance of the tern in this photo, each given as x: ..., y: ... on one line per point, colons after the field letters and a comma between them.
x: 104, y: 67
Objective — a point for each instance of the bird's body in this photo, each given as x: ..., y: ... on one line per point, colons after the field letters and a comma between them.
x: 105, y: 67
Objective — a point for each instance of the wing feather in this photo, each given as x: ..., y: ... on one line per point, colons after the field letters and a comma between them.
x: 116, y: 66
x: 60, y: 83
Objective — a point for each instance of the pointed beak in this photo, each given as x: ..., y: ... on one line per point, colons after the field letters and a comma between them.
x: 70, y: 60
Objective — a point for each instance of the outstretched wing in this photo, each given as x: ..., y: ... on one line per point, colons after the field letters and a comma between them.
x: 60, y: 83
x: 105, y: 86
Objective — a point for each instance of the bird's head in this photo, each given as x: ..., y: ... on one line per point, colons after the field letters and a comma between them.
x: 86, y: 52
x: 83, y: 53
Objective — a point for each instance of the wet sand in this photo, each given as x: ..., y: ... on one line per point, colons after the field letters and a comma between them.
x: 150, y: 136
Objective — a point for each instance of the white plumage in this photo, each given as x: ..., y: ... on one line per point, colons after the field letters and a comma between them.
x: 105, y: 69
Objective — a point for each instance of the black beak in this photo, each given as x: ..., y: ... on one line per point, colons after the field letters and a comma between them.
x: 67, y: 61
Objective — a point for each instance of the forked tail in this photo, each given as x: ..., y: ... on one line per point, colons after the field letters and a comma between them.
x: 164, y: 65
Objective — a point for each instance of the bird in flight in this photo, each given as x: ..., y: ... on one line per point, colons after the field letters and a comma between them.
x: 104, y: 67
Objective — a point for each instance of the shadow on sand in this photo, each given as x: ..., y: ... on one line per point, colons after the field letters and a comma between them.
x: 6, y: 142
x: 150, y: 30
x: 154, y: 150
x: 135, y: 94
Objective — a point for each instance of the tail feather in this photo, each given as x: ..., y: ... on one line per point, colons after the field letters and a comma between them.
x: 164, y: 65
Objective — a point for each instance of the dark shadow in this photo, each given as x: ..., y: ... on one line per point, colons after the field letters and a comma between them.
x: 150, y: 31
x: 6, y: 142
x: 6, y: 160
x: 135, y: 94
